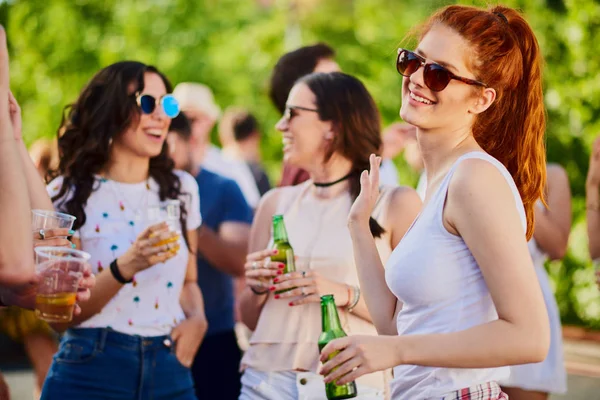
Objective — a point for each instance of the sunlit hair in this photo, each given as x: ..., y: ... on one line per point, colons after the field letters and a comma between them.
x: 505, y: 55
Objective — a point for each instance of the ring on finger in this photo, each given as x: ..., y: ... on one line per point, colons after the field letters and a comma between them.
x: 42, y: 234
x: 254, y: 265
x: 304, y: 274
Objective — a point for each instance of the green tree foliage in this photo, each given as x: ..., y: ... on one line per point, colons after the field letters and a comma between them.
x: 231, y: 45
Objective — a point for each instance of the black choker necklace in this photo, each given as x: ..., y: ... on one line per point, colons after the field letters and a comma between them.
x: 327, y: 184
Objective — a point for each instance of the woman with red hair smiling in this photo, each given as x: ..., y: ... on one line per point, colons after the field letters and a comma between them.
x: 462, y: 300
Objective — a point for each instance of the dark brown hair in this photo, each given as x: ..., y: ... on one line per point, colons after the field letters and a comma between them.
x: 293, y: 66
x: 181, y: 125
x: 238, y: 123
x: 105, y: 109
x: 345, y: 101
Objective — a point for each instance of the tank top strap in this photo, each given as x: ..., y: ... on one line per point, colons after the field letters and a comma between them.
x: 440, y: 196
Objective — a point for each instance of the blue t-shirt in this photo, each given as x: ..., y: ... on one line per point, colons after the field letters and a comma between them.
x: 222, y: 201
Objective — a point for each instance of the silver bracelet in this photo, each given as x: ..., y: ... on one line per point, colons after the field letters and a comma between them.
x: 355, y: 298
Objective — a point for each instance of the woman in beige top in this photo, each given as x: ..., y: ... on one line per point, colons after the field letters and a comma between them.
x: 330, y: 127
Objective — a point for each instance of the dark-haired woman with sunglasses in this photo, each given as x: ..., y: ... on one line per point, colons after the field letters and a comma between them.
x: 471, y: 301
x: 330, y: 127
x: 138, y: 334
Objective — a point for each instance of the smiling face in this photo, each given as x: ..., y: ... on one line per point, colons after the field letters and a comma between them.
x: 456, y: 106
x: 145, y: 137
x: 305, y: 136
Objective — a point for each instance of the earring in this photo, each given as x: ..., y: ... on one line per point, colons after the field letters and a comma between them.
x: 110, y: 142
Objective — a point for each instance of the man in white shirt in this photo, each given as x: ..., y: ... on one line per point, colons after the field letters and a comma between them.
x: 197, y: 103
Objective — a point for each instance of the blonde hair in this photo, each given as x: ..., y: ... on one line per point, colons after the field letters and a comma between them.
x: 196, y: 96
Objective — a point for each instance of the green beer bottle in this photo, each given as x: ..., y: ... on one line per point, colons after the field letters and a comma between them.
x: 285, y: 253
x: 332, y: 329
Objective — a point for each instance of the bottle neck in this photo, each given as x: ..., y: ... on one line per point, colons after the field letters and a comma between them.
x: 330, y: 320
x: 279, y: 232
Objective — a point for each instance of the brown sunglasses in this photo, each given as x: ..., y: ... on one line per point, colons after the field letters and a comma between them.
x: 436, y: 77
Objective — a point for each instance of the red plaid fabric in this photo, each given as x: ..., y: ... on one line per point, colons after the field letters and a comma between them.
x: 485, y: 391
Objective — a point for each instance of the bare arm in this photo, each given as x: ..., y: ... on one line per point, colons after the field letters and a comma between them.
x: 188, y: 335
x: 16, y: 262
x: 382, y: 303
x: 251, y: 304
x: 38, y: 196
x: 191, y: 299
x: 592, y: 189
x: 481, y: 209
x: 226, y: 250
x: 553, y: 224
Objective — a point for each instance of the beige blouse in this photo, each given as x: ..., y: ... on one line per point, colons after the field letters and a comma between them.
x: 286, y: 337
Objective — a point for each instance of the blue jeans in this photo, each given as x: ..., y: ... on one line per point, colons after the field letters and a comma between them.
x: 99, y: 363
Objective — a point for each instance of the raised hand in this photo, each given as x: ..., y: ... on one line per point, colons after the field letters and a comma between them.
x: 369, y: 193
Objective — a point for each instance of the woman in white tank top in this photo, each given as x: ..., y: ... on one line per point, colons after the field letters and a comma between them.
x: 550, y: 240
x: 471, y: 302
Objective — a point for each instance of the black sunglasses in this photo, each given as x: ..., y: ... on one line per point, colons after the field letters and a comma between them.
x: 168, y: 103
x: 435, y: 76
x: 290, y: 113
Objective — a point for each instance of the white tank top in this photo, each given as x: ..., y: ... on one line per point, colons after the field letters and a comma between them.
x: 434, y: 274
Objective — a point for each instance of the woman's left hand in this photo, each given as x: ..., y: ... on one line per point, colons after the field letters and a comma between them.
x: 308, y: 286
x: 358, y: 356
x: 188, y: 336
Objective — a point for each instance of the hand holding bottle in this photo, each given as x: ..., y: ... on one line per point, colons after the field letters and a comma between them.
x: 260, y: 270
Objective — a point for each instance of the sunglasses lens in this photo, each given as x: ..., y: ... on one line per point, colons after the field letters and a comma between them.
x: 436, y: 77
x: 147, y: 104
x: 170, y: 106
x: 407, y: 63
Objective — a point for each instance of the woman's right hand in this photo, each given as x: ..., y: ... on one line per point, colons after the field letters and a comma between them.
x: 363, y: 206
x: 260, y: 271
x: 144, y: 253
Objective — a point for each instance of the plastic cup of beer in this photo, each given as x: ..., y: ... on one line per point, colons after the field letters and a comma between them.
x: 168, y: 211
x: 46, y: 219
x: 59, y: 270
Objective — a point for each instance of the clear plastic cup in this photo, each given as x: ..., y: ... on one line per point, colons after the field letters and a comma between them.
x: 60, y: 270
x: 168, y: 211
x: 45, y: 219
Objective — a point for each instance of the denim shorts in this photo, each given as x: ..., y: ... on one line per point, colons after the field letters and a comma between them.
x: 99, y: 363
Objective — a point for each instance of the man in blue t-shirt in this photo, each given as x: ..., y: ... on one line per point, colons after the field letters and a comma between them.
x: 222, y: 247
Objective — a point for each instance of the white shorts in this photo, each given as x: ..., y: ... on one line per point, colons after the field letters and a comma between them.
x: 290, y: 385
